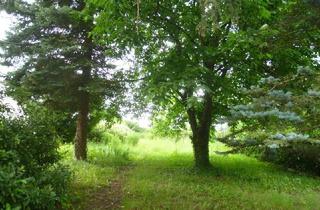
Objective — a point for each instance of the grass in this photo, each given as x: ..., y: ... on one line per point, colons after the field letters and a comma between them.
x: 163, y: 178
x: 94, y: 174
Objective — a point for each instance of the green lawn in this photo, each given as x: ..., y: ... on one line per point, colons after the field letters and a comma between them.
x: 163, y: 178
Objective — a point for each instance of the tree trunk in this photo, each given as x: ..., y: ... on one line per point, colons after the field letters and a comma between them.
x: 80, y: 144
x: 201, y: 133
x: 201, y: 152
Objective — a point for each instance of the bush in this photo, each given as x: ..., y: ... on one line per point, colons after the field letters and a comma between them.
x: 101, y: 134
x: 18, y: 192
x: 61, y: 124
x: 299, y: 155
x: 30, y: 176
x: 303, y: 156
x: 119, y: 133
x: 46, y: 190
x: 97, y: 135
x: 134, y: 126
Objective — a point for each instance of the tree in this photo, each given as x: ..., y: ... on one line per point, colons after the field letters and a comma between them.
x: 281, y: 106
x: 280, y: 124
x: 57, y: 63
x: 194, y: 55
x: 295, y: 45
x: 280, y: 119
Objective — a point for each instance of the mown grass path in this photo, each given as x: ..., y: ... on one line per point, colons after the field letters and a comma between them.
x: 111, y: 196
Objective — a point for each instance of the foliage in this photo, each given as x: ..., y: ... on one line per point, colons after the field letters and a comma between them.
x: 164, y: 124
x: 30, y: 176
x: 116, y: 135
x: 300, y: 155
x: 58, y: 65
x: 62, y: 124
x: 97, y: 135
x: 102, y: 134
x: 289, y: 104
x: 285, y: 113
x: 194, y: 57
x: 134, y: 126
x: 50, y: 40
x: 171, y: 46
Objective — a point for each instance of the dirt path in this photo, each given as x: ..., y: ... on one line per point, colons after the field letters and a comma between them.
x: 110, y: 197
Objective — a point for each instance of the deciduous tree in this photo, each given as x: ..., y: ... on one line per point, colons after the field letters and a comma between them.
x: 194, y: 55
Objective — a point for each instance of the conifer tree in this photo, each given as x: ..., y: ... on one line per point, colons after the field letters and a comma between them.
x: 284, y: 108
x: 56, y: 61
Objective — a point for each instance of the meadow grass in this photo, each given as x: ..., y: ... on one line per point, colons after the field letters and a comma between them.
x: 163, y: 178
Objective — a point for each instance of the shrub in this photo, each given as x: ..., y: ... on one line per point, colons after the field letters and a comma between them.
x: 30, y: 176
x: 299, y: 155
x: 96, y: 134
x: 118, y: 133
x: 61, y: 124
x: 101, y: 134
x: 291, y: 150
x: 134, y: 126
x: 46, y: 190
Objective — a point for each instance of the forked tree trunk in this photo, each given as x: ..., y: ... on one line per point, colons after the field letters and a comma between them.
x: 80, y: 144
x: 201, y: 133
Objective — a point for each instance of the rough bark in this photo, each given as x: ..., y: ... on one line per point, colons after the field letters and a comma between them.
x: 201, y: 152
x: 80, y: 144
x: 201, y: 133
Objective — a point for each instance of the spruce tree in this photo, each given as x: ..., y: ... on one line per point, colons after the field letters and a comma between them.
x: 57, y: 62
x: 284, y: 108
